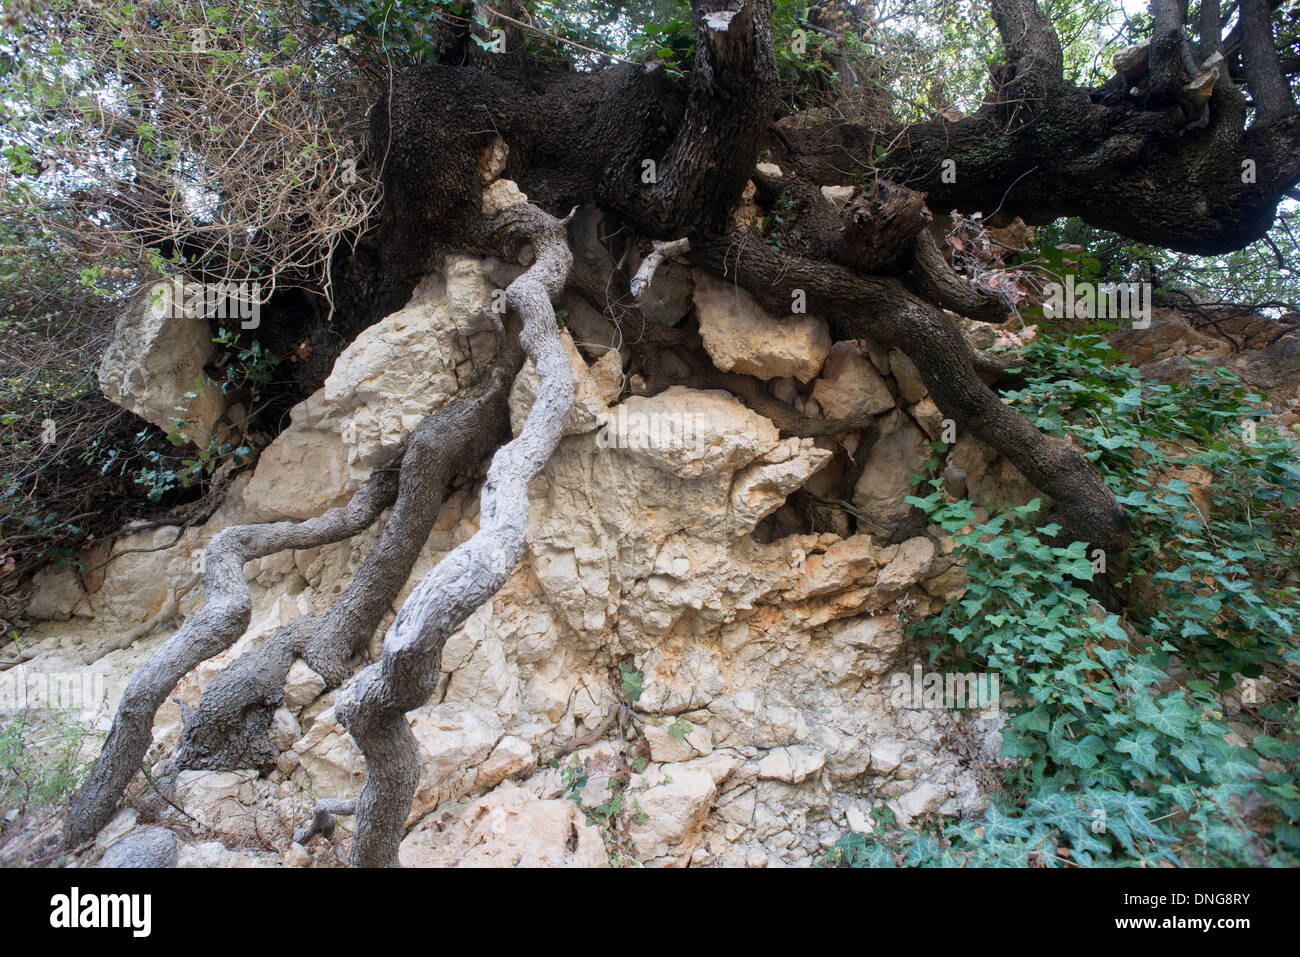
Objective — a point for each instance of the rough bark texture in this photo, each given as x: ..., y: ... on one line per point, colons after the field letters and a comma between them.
x: 884, y: 309
x: 217, y: 625
x: 229, y: 727
x: 374, y: 704
x: 1041, y: 148
x: 1157, y: 164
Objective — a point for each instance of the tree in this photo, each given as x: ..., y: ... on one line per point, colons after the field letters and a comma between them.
x: 1159, y: 153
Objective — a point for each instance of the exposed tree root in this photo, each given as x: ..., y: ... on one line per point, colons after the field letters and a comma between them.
x: 374, y: 704
x: 218, y: 624
x: 229, y: 727
x: 882, y: 308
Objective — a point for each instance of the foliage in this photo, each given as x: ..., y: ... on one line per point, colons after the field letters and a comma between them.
x: 1261, y: 275
x: 1119, y: 746
x: 43, y: 756
x: 221, y: 139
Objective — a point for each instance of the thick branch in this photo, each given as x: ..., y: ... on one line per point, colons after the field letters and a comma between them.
x: 1165, y: 53
x: 1268, y: 86
x: 883, y: 309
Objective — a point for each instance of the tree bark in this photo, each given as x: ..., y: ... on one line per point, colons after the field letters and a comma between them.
x: 373, y: 706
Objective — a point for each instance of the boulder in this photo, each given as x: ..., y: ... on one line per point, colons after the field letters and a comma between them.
x: 910, y: 387
x: 673, y: 814
x: 143, y: 847
x: 741, y: 337
x: 507, y: 828
x: 849, y: 386
x: 154, y: 366
x: 885, y: 483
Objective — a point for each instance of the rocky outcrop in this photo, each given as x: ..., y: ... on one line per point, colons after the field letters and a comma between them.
x: 394, y: 374
x: 739, y: 336
x: 154, y: 366
x: 507, y: 828
x: 739, y: 675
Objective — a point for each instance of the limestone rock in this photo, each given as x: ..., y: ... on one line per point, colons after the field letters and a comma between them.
x: 211, y: 854
x: 929, y: 418
x: 674, y: 813
x: 849, y: 386
x: 492, y: 159
x: 301, y: 684
x: 741, y: 337
x: 688, y: 432
x: 669, y: 741
x: 911, y: 563
x: 885, y: 483
x: 588, y: 402
x: 925, y: 799
x: 394, y: 373
x: 910, y: 386
x: 507, y: 828
x: 156, y: 359
x: 57, y: 595
x: 792, y: 765
x: 500, y: 194
x: 511, y: 756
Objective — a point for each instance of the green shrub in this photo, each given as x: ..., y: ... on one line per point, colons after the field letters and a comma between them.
x: 1119, y: 752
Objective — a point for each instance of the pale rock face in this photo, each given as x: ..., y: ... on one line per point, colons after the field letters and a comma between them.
x: 500, y: 194
x: 924, y: 800
x: 219, y: 799
x: 57, y: 596
x: 647, y: 523
x: 874, y: 642
x: 588, y: 401
x: 492, y: 159
x: 792, y: 765
x: 910, y: 386
x: 771, y: 659
x: 929, y: 418
x: 507, y: 828
x: 741, y: 337
x: 849, y: 385
x: 136, y: 585
x: 302, y: 685
x: 215, y: 854
x: 675, y: 811
x: 156, y: 358
x: 911, y: 563
x: 285, y: 729
x: 688, y: 433
x: 393, y: 375
x: 510, y: 757
x: 885, y: 482
x: 671, y: 742
x: 839, y: 196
